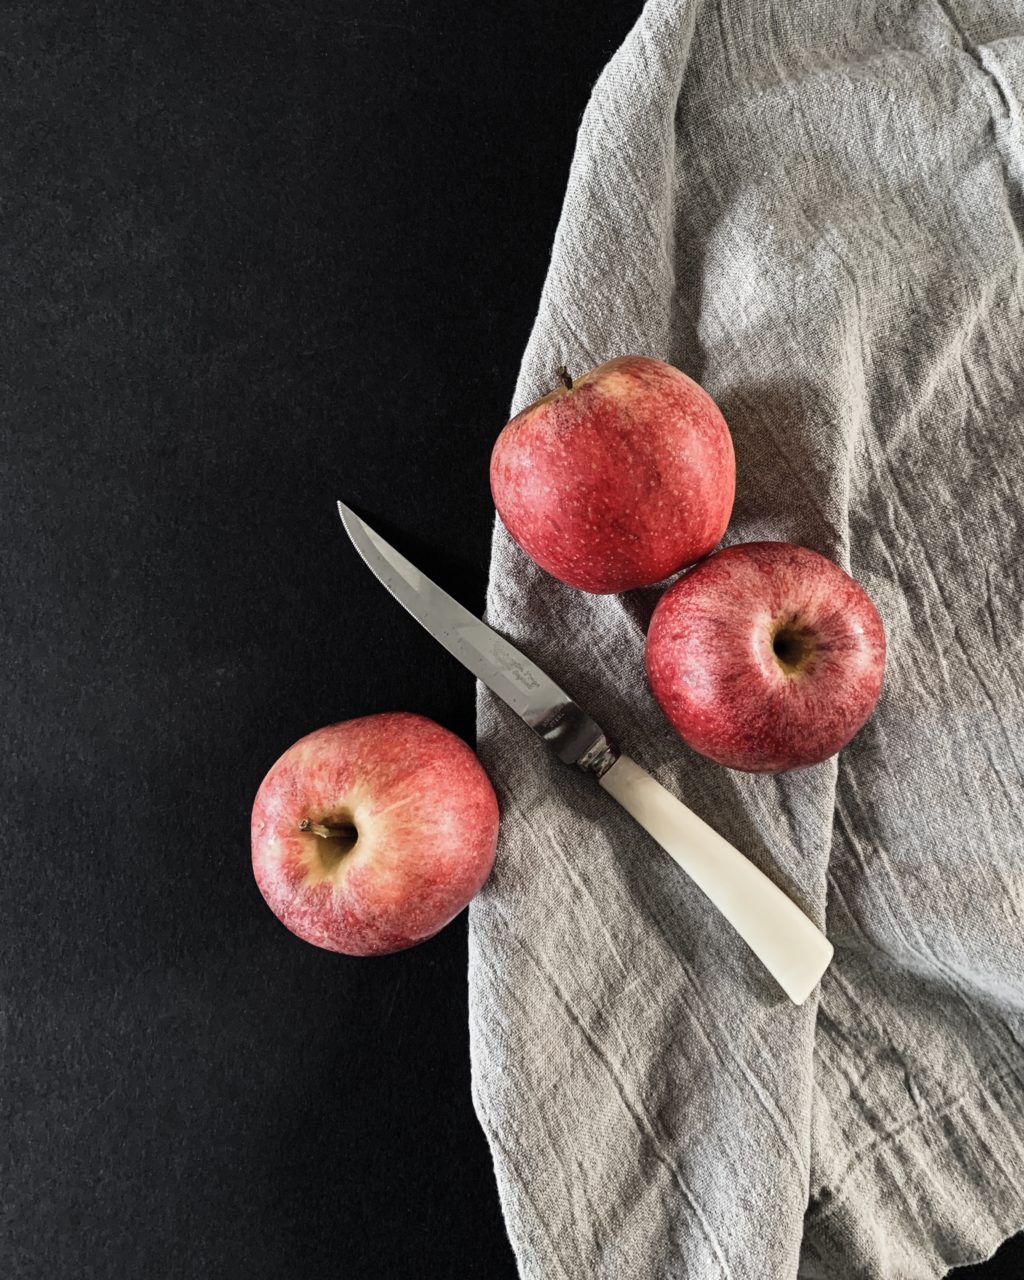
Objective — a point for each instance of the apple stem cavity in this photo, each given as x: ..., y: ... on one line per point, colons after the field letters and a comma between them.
x: 792, y: 647
x: 346, y: 833
x: 566, y: 377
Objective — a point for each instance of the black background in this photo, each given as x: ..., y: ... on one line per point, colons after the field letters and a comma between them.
x: 258, y: 256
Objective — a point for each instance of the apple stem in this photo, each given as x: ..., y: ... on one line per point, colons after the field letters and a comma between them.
x: 326, y: 833
x: 563, y: 373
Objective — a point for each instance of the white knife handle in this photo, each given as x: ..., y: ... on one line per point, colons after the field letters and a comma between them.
x: 790, y: 946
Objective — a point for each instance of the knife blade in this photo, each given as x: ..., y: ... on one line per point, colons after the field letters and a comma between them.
x: 786, y: 941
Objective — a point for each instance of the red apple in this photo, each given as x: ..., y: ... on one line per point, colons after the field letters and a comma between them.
x: 766, y: 657
x: 618, y: 479
x: 370, y: 835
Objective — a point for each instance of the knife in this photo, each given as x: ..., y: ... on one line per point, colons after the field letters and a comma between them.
x: 790, y: 946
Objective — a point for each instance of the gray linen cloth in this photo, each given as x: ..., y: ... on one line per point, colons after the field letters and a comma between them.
x: 816, y: 211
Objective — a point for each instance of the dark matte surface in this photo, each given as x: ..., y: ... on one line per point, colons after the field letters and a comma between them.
x: 259, y: 256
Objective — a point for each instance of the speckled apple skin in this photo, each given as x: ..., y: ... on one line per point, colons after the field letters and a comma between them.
x: 619, y: 482
x: 427, y: 822
x: 712, y: 667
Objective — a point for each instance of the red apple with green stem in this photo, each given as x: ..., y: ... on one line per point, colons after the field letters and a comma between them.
x: 370, y: 835
x: 766, y: 657
x: 616, y: 479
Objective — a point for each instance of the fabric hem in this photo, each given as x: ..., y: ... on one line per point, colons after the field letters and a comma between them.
x: 933, y: 1162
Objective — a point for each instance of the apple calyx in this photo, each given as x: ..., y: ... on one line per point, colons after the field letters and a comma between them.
x: 566, y: 377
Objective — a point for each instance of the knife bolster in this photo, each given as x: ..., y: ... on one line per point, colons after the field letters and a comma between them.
x: 599, y: 758
x: 575, y: 738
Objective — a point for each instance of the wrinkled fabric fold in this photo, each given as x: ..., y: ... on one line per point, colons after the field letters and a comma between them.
x: 817, y: 214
